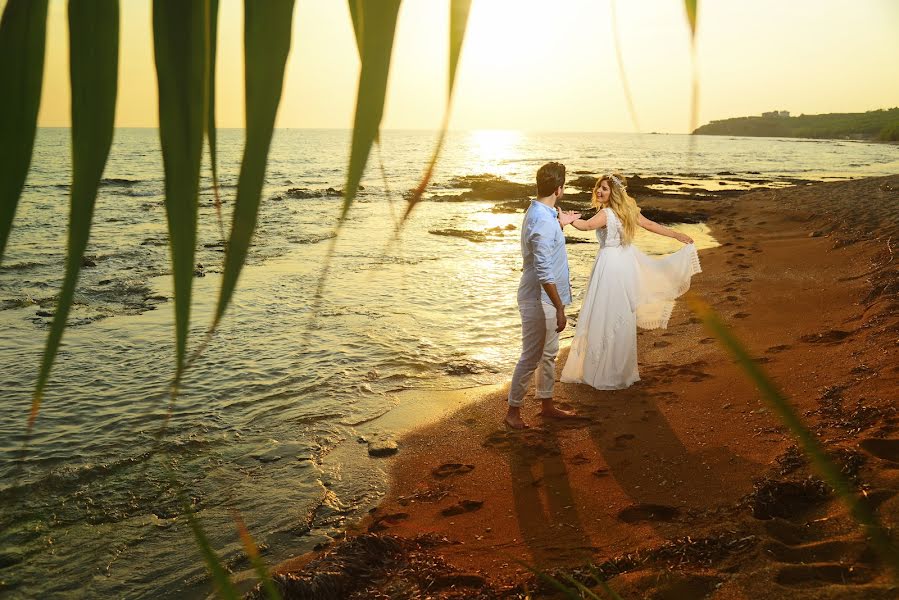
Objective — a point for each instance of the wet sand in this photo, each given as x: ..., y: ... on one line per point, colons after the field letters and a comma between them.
x: 685, y: 485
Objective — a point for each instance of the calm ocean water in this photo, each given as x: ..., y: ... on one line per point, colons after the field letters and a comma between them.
x: 269, y: 417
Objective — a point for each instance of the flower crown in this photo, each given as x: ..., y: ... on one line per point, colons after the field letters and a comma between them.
x: 615, y: 180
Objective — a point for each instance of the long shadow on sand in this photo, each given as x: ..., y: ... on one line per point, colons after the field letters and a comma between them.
x: 639, y: 456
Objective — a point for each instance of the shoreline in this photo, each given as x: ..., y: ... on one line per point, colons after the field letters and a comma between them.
x: 685, y: 483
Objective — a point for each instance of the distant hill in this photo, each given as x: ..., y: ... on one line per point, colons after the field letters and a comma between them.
x: 872, y: 125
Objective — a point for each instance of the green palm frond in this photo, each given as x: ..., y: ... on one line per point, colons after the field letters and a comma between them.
x: 459, y: 10
x: 179, y: 37
x: 267, y: 30
x: 23, y: 33
x: 94, y: 64
x: 374, y: 27
x: 880, y: 538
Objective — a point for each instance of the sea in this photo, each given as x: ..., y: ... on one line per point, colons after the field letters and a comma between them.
x: 273, y: 419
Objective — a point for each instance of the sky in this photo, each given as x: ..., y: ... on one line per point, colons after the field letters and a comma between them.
x: 539, y: 65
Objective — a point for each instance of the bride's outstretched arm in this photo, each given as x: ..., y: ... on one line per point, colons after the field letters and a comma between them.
x: 595, y: 222
x: 662, y: 230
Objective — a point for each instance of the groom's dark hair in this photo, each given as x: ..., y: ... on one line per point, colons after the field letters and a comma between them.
x: 549, y: 177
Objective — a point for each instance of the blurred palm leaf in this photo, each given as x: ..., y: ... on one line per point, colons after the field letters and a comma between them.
x: 23, y: 32
x: 94, y: 63
x: 374, y: 27
x: 267, y: 29
x: 179, y: 37
x: 218, y: 573
x: 622, y: 73
x: 459, y: 10
x: 212, y: 40
x: 692, y: 7
x: 252, y: 551
x: 862, y: 514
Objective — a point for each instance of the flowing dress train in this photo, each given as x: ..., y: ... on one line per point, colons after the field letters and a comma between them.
x: 627, y: 289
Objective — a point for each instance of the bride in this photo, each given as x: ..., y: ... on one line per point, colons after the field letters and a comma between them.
x: 627, y: 289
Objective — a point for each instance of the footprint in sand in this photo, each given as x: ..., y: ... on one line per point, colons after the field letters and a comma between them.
x: 776, y: 349
x: 529, y: 441
x: 815, y: 557
x: 447, y: 469
x: 741, y: 315
x: 387, y: 521
x: 647, y: 512
x: 620, y: 439
x: 828, y: 337
x: 883, y: 448
x: 732, y: 298
x: 804, y: 575
x: 849, y: 551
x: 707, y: 341
x: 579, y: 459
x: 461, y: 507
x: 661, y: 344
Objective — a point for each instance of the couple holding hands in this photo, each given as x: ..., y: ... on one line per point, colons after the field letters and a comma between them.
x: 627, y: 289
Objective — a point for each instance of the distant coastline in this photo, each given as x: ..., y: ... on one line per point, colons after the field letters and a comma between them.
x: 875, y: 125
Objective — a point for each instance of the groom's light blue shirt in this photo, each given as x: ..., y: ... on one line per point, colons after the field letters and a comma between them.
x: 543, y: 254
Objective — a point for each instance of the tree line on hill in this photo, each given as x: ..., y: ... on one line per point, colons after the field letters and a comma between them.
x: 881, y: 124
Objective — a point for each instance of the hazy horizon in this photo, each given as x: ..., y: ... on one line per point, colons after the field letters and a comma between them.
x: 540, y: 79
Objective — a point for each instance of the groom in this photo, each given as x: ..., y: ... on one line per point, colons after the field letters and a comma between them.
x: 543, y: 292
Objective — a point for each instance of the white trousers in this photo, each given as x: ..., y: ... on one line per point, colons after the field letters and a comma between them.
x: 539, y: 347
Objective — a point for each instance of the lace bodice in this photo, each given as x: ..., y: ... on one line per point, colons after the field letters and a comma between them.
x: 610, y: 235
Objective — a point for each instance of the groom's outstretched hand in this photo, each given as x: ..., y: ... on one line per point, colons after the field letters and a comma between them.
x: 561, y: 320
x: 568, y: 217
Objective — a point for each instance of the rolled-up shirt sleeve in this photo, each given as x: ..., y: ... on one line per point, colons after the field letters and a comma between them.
x: 540, y: 242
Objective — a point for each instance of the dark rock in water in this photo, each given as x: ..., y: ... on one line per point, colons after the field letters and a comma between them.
x: 492, y: 234
x: 87, y: 261
x: 385, y: 447
x: 44, y: 313
x: 305, y: 194
x: 104, y: 282
x: 473, y: 236
x: 490, y: 187
x: 584, y: 182
x: 513, y: 206
x: 660, y: 215
x: 577, y: 240
x: 200, y: 271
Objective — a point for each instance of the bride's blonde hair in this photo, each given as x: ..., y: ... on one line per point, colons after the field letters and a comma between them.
x: 621, y: 203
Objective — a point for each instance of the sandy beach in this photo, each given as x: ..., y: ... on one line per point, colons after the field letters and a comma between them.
x: 686, y: 485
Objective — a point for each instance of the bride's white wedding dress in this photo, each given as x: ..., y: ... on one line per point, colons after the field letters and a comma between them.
x: 627, y: 289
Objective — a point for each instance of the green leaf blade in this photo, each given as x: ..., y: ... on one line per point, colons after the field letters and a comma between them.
x: 459, y: 10
x: 267, y: 36
x: 692, y: 7
x: 94, y: 64
x: 212, y: 37
x: 217, y: 571
x: 179, y: 40
x: 376, y: 30
x: 23, y: 33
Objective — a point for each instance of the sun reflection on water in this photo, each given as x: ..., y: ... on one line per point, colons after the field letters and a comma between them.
x: 491, y: 149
